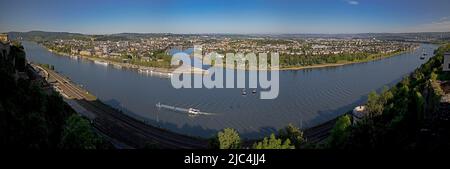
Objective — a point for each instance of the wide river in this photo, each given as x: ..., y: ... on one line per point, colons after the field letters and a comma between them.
x: 307, y: 97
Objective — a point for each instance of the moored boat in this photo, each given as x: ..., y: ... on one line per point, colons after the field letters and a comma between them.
x: 101, y: 63
x: 244, y: 92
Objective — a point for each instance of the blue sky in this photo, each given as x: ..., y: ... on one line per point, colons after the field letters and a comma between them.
x: 225, y: 16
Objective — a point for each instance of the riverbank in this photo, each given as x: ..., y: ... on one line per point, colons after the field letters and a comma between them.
x: 139, y: 68
x: 339, y: 63
x: 194, y: 70
x: 342, y: 63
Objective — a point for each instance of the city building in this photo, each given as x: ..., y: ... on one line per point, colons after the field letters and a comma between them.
x: 85, y: 53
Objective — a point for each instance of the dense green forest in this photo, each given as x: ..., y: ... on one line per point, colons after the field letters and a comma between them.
x: 32, y: 117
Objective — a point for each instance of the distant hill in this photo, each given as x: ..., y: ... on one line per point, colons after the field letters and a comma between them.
x: 47, y: 36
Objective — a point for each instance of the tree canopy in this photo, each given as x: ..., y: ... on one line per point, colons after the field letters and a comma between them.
x: 292, y: 133
x: 78, y: 134
x: 273, y: 143
x: 340, y: 131
x: 229, y: 139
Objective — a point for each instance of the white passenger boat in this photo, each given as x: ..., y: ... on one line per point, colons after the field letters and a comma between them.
x: 193, y: 111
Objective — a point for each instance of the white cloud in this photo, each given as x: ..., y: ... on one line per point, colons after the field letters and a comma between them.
x: 444, y: 18
x: 352, y: 2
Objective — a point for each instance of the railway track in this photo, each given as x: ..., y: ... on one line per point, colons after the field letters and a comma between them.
x: 123, y: 128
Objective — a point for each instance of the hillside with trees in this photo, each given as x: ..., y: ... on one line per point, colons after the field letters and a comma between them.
x: 32, y: 117
x: 410, y: 115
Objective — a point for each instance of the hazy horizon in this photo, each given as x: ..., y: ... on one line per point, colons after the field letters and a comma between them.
x: 220, y: 33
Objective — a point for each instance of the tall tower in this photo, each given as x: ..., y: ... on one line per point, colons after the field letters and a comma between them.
x: 4, y: 37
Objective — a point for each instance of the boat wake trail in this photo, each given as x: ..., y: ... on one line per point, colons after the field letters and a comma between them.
x: 189, y: 111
